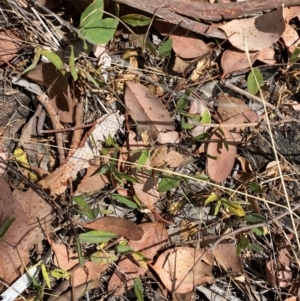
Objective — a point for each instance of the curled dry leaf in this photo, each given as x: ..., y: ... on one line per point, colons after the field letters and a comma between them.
x: 155, y: 237
x: 220, y: 159
x: 189, y: 47
x: 257, y: 32
x: 180, y: 269
x: 118, y: 226
x: 146, y: 110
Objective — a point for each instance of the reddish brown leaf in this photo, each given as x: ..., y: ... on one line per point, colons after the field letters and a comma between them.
x: 155, y: 237
x: 117, y: 225
x: 146, y: 110
x: 220, y: 161
x: 181, y: 270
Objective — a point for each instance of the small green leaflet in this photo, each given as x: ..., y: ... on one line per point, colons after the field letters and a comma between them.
x: 45, y: 275
x: 206, y: 118
x: 255, y: 187
x: 165, y: 48
x: 136, y: 20
x: 182, y: 103
x: 138, y: 289
x: 168, y: 183
x: 243, y: 244
x: 254, y: 218
x: 125, y: 201
x: 121, y: 177
x: 142, y: 159
x: 295, y: 55
x: 101, y: 257
x: 60, y: 274
x: 211, y: 198
x: 92, y: 14
x: 54, y: 59
x: 72, y: 65
x: 102, y: 31
x: 96, y: 236
x: 254, y: 81
x: 85, y: 208
x: 5, y: 225
x: 123, y: 249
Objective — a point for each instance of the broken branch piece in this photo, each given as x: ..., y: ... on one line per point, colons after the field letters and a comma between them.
x: 91, y: 145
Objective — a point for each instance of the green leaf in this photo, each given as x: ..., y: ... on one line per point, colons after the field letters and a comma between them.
x: 182, y: 103
x: 45, y: 275
x: 101, y: 257
x: 255, y: 247
x: 167, y: 183
x: 5, y: 225
x: 95, y: 236
x: 234, y: 207
x: 138, y: 289
x: 35, y: 60
x: 254, y: 218
x: 60, y: 274
x: 151, y: 48
x: 123, y: 176
x: 217, y: 209
x: 85, y: 208
x: 79, y: 251
x: 243, y: 244
x: 136, y: 20
x: 104, y: 169
x: 254, y: 81
x: 206, y: 118
x: 54, y: 59
x: 258, y: 231
x: 109, y: 140
x: 72, y: 65
x: 125, y: 201
x: 142, y: 159
x: 123, y: 249
x: 211, y: 198
x: 102, y: 31
x: 255, y: 187
x: 93, y: 13
x: 295, y: 55
x: 165, y: 48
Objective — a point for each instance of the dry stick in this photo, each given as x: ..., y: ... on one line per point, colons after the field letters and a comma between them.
x: 239, y: 230
x: 54, y: 117
x: 255, y: 98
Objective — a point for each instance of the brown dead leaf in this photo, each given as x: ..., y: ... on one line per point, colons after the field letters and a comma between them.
x: 227, y: 257
x: 180, y: 270
x: 278, y: 272
x: 168, y: 137
x: 234, y: 111
x: 257, y: 32
x: 180, y: 65
x: 92, y: 181
x: 147, y: 110
x: 174, y: 159
x: 234, y: 60
x: 267, y: 55
x: 155, y: 237
x: 27, y: 208
x: 291, y: 12
x: 118, y: 226
x: 290, y: 35
x: 58, y: 89
x: 189, y: 47
x: 8, y: 46
x: 220, y: 160
x: 65, y: 259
